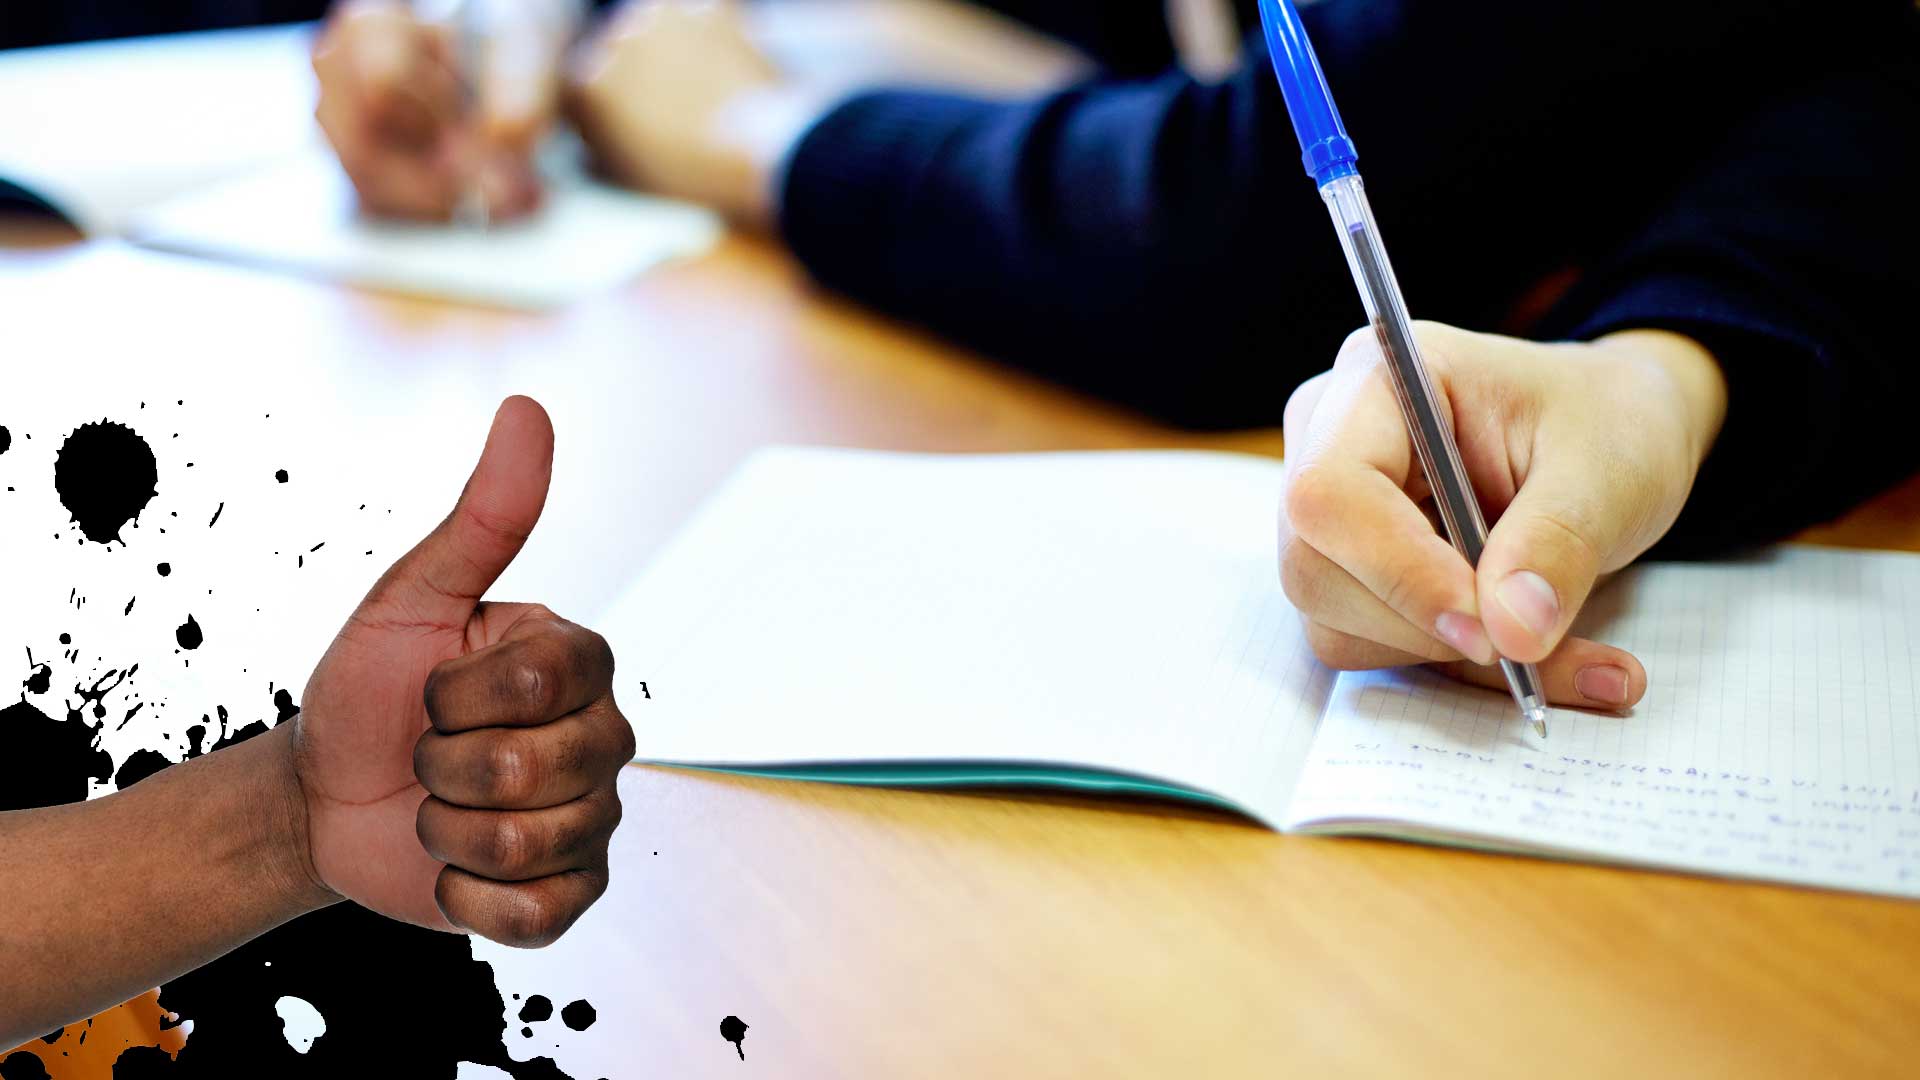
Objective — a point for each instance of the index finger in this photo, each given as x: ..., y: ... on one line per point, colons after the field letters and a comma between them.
x: 1347, y: 498
x: 543, y: 668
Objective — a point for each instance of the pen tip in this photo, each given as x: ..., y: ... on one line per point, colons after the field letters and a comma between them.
x: 1538, y: 715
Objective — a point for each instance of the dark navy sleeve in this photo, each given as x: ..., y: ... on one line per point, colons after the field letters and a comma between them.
x: 1155, y: 240
x: 1794, y: 256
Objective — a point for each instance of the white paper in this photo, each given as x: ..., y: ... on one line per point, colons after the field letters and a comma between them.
x: 302, y: 216
x: 1116, y: 611
x: 1779, y: 737
x: 104, y: 129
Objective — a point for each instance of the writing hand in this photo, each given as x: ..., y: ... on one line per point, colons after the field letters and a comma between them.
x: 1582, y: 456
x: 395, y: 108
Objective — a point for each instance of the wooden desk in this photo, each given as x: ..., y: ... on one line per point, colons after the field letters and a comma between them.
x: 888, y: 933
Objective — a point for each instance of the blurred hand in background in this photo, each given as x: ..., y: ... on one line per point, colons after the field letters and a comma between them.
x: 419, y: 134
x: 673, y: 97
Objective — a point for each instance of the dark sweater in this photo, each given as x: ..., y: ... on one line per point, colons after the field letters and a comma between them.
x: 1749, y: 175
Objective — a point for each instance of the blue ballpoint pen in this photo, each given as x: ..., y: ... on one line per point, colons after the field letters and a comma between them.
x: 1329, y: 157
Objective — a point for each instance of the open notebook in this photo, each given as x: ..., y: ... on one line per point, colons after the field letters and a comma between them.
x: 1113, y: 621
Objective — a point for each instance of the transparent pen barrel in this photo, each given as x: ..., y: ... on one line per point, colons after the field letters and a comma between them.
x: 1431, y: 428
x: 1346, y: 200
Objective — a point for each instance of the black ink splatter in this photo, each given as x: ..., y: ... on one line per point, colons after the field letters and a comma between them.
x: 188, y: 634
x: 23, y: 1064
x: 579, y: 1015
x: 139, y: 765
x: 41, y: 680
x: 128, y: 610
x: 283, y: 703
x: 734, y: 1030
x: 328, y: 959
x: 47, y: 763
x: 281, y: 476
x: 105, y: 474
x: 6, y: 439
x: 216, y: 514
x: 96, y: 695
x: 164, y: 569
x: 537, y: 1008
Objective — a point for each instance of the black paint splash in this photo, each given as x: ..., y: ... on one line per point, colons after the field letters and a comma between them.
x: 139, y: 765
x: 96, y: 695
x: 23, y: 1064
x: 537, y: 1008
x: 164, y: 569
x: 105, y: 474
x: 47, y: 762
x: 579, y: 1015
x: 41, y: 678
x: 734, y: 1030
x: 188, y: 634
x: 413, y: 1000
x: 281, y: 476
x: 6, y: 439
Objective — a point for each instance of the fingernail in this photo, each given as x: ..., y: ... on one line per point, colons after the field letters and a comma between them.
x: 1466, y: 635
x: 1527, y: 597
x: 1603, y: 683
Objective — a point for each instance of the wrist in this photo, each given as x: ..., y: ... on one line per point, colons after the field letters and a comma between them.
x: 762, y: 127
x: 284, y: 838
x: 1688, y: 372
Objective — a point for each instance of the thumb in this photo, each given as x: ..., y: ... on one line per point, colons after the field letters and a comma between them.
x: 439, y: 582
x: 1541, y: 561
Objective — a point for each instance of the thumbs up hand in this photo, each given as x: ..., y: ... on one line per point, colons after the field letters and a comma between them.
x: 458, y: 757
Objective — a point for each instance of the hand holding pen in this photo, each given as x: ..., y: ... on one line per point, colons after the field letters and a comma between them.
x: 1584, y: 453
x: 435, y: 110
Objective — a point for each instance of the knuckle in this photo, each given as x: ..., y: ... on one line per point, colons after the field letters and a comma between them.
x: 510, y: 845
x: 514, y: 772
x: 536, y: 920
x: 530, y: 682
x: 1311, y: 500
x: 598, y: 650
x: 1358, y: 346
x: 613, y: 813
x: 628, y: 745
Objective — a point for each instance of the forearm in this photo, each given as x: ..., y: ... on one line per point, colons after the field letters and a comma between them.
x: 112, y: 897
x: 1794, y: 267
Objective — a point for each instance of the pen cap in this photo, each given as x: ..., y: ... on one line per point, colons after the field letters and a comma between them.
x: 1325, y: 149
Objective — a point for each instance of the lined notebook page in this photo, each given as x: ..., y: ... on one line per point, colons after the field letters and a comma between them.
x: 1117, y: 611
x: 1779, y: 737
